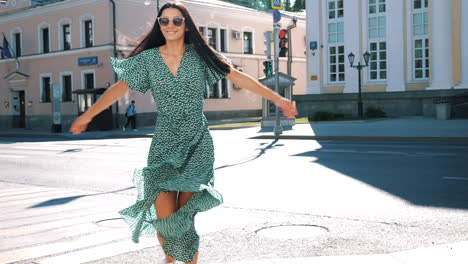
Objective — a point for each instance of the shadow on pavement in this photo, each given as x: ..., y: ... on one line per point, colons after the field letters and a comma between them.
x: 423, y: 179
x: 65, y: 200
x: 261, y: 152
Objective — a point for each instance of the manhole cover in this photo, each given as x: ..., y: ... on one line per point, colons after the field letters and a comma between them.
x: 292, y: 231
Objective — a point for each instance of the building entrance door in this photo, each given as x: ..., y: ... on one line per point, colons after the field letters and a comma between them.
x: 18, y: 105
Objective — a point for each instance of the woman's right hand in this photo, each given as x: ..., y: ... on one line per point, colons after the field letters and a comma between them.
x: 79, y: 125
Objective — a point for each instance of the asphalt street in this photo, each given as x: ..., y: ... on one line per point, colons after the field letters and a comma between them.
x: 336, y: 197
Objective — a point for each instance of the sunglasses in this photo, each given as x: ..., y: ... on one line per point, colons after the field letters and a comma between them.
x: 177, y: 21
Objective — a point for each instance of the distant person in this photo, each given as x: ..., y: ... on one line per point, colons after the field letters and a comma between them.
x: 130, y: 113
x: 175, y: 63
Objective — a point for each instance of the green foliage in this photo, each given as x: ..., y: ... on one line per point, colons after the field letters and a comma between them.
x: 298, y: 5
x: 287, y: 5
x: 262, y: 5
x: 375, y: 112
x: 265, y: 5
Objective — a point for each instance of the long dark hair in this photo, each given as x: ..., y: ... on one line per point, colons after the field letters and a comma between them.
x: 154, y: 38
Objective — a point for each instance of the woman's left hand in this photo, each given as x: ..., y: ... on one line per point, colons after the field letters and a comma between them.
x: 288, y: 107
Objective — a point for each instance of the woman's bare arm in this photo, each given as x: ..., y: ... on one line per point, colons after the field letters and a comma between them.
x: 112, y: 94
x: 245, y: 81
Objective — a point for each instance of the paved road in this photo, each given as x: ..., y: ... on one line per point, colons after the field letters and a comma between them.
x: 361, y: 197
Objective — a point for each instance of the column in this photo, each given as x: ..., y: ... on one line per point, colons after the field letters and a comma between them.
x: 464, y: 45
x: 314, y: 76
x: 352, y: 36
x: 442, y: 63
x: 395, y: 46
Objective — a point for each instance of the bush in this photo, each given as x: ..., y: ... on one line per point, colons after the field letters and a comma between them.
x: 324, y: 116
x: 375, y: 112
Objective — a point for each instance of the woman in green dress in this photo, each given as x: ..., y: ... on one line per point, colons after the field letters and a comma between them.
x: 175, y: 63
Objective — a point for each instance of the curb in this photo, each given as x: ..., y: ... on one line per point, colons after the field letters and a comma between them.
x: 361, y: 138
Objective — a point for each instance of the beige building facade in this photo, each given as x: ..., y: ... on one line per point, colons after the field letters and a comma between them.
x: 66, y: 45
x: 418, y: 51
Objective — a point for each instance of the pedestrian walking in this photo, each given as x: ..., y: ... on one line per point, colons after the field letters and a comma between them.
x: 130, y: 113
x: 175, y: 63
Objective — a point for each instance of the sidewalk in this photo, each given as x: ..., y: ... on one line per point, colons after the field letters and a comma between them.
x: 404, y: 128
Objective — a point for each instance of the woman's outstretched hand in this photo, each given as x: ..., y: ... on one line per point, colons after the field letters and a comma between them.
x: 79, y: 125
x: 288, y: 107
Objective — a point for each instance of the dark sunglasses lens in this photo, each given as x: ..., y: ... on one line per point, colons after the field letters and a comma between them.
x: 163, y: 21
x: 177, y: 21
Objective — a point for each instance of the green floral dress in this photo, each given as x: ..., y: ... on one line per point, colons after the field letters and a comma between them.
x: 181, y: 155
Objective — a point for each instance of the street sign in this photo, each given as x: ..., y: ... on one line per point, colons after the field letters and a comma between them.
x: 277, y: 4
x: 276, y: 16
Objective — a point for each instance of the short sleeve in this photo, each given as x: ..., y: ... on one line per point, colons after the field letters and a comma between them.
x: 133, y: 72
x: 212, y: 76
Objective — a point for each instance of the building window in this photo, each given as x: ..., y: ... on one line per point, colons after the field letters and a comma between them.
x: 217, y: 90
x: 378, y: 61
x: 417, y: 4
x: 45, y: 89
x: 212, y: 38
x: 224, y: 88
x: 336, y: 48
x: 337, y: 64
x: 17, y: 38
x: 202, y: 31
x: 376, y: 6
x: 45, y: 40
x: 66, y: 35
x: 88, y: 31
x: 248, y: 43
x: 66, y: 88
x: 420, y: 40
x: 421, y: 58
x: 377, y: 27
x: 335, y: 9
x: 420, y: 23
x: 335, y: 32
x: 223, y: 40
x: 88, y: 81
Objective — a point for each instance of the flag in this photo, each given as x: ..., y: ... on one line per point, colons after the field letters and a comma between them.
x: 6, y: 48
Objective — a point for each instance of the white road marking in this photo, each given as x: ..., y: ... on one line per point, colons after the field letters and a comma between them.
x: 100, y: 252
x: 455, y: 178
x: 63, y: 246
x: 11, y: 156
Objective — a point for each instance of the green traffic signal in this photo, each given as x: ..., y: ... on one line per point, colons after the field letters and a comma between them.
x: 268, y: 68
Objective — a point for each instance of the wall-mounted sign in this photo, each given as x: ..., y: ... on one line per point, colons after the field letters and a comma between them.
x: 313, y: 45
x: 88, y: 61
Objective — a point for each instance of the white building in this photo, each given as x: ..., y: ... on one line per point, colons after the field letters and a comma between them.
x: 418, y: 51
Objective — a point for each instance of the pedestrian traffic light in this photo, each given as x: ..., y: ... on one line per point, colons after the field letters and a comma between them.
x: 283, y: 42
x: 267, y: 43
x: 268, y: 68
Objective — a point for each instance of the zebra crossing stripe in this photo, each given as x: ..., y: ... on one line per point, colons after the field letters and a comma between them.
x: 62, y: 247
x: 100, y: 252
x: 42, y: 227
x: 34, y: 195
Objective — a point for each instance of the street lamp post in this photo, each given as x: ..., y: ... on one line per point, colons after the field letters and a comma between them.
x: 359, y: 67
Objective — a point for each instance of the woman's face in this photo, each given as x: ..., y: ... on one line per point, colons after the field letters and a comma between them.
x: 172, y: 24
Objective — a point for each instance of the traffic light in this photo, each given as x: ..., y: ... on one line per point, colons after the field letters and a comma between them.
x: 282, y: 42
x: 267, y: 43
x: 268, y: 70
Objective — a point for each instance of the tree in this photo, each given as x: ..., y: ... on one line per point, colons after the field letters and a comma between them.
x: 261, y: 5
x: 298, y: 5
x: 287, y: 5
